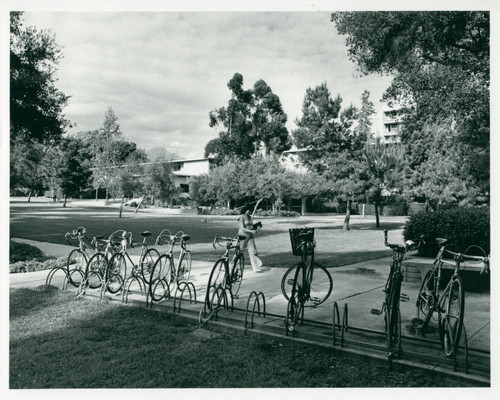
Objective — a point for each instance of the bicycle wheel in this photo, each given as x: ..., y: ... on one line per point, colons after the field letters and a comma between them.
x: 321, y: 284
x: 160, y: 268
x: 454, y: 318
x: 217, y: 278
x: 393, y: 315
x: 295, y: 306
x: 426, y: 299
x: 115, y: 283
x: 116, y: 272
x: 147, y: 262
x: 75, y: 266
x: 158, y: 289
x: 96, y: 268
x: 238, y: 266
x: 184, y: 268
x: 117, y: 265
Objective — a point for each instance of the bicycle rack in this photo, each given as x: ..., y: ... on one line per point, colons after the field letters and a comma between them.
x: 128, y: 283
x: 188, y: 286
x: 336, y: 315
x: 51, y: 274
x: 222, y: 298
x: 256, y: 303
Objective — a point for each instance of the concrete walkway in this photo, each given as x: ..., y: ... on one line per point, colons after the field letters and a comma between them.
x: 359, y: 285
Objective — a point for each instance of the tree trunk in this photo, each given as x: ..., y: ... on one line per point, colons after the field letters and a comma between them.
x: 377, y: 218
x: 138, y: 205
x: 303, y: 205
x: 96, y: 193
x: 29, y: 197
x: 65, y: 198
x: 107, y: 194
x: 121, y: 205
x: 347, y: 216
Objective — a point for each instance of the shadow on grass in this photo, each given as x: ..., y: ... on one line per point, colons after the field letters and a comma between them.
x: 98, y: 344
x: 25, y: 301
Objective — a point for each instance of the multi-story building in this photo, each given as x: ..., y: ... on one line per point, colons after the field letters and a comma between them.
x: 391, y: 124
x: 185, y: 169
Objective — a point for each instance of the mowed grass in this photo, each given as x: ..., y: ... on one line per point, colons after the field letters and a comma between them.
x: 335, y: 247
x: 58, y: 341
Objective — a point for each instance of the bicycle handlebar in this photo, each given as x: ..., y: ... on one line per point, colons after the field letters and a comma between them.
x: 408, y: 244
x: 171, y: 238
x: 229, y: 240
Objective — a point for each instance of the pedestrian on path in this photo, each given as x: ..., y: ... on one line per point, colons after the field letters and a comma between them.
x: 249, y: 229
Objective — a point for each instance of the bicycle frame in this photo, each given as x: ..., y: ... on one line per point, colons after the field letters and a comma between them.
x: 179, y: 237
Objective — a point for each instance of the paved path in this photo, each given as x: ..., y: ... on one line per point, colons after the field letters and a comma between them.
x: 359, y: 285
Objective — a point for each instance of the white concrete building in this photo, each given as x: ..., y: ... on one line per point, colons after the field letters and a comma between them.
x: 185, y: 169
x: 391, y: 124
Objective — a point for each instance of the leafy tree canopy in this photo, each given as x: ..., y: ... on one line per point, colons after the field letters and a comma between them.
x: 36, y: 104
x: 253, y: 120
x: 440, y: 64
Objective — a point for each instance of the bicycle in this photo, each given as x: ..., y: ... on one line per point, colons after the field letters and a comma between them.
x: 393, y: 295
x: 116, y: 270
x: 97, y: 264
x: 449, y: 304
x: 227, y: 274
x: 305, y: 273
x: 165, y: 272
x: 77, y: 258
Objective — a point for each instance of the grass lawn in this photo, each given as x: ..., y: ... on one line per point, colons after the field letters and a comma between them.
x: 58, y: 341
x: 335, y: 247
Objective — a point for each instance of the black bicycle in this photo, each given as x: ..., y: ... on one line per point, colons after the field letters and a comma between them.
x: 227, y: 272
x: 449, y: 304
x: 393, y: 295
x: 308, y: 288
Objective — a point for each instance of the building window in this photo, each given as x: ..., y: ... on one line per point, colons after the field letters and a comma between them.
x: 184, y: 187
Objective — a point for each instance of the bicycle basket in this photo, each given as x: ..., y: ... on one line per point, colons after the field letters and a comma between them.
x: 297, y: 235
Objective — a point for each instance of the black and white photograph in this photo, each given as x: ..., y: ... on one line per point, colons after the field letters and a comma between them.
x: 253, y: 199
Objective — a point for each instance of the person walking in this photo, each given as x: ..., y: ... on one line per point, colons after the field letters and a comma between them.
x: 246, y: 228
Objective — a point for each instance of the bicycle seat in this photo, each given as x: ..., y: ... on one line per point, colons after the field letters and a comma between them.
x: 398, y: 247
x: 185, y: 237
x: 145, y: 233
x: 242, y: 237
x: 441, y: 241
x: 98, y: 237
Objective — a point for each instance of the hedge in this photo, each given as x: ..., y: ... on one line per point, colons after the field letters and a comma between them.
x: 462, y: 226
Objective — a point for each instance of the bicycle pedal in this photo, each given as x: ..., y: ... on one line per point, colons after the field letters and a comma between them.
x: 374, y: 311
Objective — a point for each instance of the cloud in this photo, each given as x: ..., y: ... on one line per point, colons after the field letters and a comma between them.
x: 162, y: 72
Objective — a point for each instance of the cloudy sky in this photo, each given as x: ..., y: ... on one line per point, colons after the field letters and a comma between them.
x: 162, y: 72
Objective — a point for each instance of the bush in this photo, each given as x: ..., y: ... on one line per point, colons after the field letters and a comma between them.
x: 396, y: 206
x: 462, y: 226
x: 35, y: 265
x: 23, y: 252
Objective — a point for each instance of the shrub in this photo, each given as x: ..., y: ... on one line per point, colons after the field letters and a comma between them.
x: 396, y: 206
x: 23, y: 252
x: 286, y: 213
x: 462, y: 226
x: 35, y: 265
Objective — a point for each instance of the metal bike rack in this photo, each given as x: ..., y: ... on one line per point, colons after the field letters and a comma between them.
x: 51, y: 274
x: 335, y: 317
x: 222, y: 299
x: 256, y: 303
x: 128, y: 283
x: 185, y: 286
